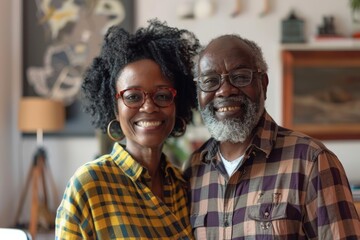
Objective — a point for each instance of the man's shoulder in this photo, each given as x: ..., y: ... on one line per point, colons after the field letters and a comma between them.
x: 300, y: 141
x: 299, y: 137
x: 287, y: 136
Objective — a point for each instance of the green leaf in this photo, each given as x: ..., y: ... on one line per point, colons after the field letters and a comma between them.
x: 355, y: 4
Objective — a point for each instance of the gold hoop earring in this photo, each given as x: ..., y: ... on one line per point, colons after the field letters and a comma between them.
x: 114, y: 131
x: 179, y: 128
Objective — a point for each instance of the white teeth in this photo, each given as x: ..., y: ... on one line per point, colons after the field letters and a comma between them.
x: 226, y: 109
x: 149, y: 124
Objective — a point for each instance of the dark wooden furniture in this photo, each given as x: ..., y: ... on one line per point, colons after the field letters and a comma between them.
x: 321, y: 91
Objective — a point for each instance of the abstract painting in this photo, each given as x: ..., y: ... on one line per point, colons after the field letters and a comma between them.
x: 60, y: 39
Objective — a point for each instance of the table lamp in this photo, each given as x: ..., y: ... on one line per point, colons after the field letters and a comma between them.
x: 39, y: 115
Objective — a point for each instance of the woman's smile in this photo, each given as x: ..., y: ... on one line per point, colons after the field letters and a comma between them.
x: 148, y: 124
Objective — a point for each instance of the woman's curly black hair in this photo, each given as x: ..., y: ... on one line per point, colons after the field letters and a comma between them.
x: 172, y: 48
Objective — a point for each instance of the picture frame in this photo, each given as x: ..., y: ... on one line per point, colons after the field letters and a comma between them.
x: 60, y: 40
x: 321, y: 92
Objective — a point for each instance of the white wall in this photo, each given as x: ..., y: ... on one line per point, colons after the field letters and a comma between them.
x: 8, y: 165
x: 66, y: 154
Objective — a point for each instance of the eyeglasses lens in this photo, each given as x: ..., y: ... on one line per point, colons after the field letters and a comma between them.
x: 163, y: 97
x: 135, y: 98
x: 238, y: 78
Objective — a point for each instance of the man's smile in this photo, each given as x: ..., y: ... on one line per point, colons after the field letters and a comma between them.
x: 228, y: 109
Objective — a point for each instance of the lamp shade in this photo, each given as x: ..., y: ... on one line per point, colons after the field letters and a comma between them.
x: 36, y: 113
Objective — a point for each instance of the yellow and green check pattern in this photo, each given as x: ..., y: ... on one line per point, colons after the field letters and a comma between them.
x: 109, y: 198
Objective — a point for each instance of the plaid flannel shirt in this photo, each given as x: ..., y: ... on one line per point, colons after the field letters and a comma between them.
x: 109, y: 198
x: 289, y: 186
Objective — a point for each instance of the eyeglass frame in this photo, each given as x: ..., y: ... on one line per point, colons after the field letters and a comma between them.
x: 222, y: 78
x: 145, y: 94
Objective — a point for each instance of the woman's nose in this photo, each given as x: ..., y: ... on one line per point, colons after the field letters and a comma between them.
x: 149, y: 105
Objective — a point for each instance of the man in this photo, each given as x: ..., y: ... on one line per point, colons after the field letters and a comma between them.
x: 254, y: 179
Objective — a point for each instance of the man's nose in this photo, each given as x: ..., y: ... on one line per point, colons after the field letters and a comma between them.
x: 226, y: 88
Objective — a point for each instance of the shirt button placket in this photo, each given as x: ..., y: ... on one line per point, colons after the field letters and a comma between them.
x: 227, y: 227
x: 226, y: 221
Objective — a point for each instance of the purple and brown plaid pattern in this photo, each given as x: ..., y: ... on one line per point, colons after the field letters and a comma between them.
x: 109, y: 198
x: 288, y: 187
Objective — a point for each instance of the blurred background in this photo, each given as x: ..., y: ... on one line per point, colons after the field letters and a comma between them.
x: 258, y: 20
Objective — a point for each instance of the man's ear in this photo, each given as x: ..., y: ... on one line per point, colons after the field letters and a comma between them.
x: 264, y: 84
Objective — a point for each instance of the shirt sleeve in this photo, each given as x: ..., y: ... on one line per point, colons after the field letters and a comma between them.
x: 66, y: 226
x: 72, y: 218
x: 330, y: 211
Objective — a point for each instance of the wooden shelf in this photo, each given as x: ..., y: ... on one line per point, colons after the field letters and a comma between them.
x: 325, y: 44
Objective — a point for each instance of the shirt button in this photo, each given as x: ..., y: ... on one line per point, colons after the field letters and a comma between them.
x: 265, y: 225
x: 226, y: 223
x: 266, y: 214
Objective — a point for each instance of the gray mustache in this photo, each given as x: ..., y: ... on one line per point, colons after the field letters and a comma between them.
x: 237, y: 99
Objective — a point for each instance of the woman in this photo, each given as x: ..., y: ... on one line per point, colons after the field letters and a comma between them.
x: 141, y: 84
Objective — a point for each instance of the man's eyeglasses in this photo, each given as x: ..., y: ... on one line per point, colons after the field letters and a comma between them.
x: 238, y: 78
x: 135, y: 97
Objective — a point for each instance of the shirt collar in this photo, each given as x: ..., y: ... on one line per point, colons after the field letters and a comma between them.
x: 265, y: 136
x: 133, y: 169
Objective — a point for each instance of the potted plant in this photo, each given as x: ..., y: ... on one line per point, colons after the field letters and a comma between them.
x: 355, y: 14
x: 355, y: 5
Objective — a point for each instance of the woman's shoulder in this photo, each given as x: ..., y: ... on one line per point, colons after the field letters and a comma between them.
x: 98, y: 170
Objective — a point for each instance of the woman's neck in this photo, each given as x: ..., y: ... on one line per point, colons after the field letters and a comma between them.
x: 149, y: 158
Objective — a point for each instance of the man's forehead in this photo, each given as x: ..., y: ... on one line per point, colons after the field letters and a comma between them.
x: 226, y: 42
x: 225, y: 56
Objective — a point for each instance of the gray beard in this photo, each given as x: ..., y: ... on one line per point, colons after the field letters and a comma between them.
x: 233, y: 129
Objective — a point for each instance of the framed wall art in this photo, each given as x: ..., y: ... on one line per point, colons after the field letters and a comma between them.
x: 321, y: 92
x: 60, y: 39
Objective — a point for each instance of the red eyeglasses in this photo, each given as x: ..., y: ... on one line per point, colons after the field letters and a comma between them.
x: 135, y: 97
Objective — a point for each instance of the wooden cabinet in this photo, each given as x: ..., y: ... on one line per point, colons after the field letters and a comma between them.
x: 357, y: 206
x: 321, y: 92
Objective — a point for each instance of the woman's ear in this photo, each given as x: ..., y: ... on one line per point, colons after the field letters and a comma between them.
x: 116, y: 109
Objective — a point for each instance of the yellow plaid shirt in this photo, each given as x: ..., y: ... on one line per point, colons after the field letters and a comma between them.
x: 109, y: 198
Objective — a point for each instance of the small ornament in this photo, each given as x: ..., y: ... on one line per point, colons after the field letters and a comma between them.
x: 293, y: 29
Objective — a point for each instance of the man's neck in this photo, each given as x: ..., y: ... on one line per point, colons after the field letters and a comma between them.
x: 232, y: 151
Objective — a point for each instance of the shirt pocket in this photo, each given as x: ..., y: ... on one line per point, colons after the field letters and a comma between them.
x: 269, y: 218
